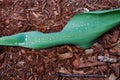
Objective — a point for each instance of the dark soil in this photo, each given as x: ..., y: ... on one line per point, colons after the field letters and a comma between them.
x: 17, y: 63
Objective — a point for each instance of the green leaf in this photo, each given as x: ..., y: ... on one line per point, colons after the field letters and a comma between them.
x: 82, y: 30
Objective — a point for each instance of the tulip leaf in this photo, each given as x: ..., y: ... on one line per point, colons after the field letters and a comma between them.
x: 82, y: 30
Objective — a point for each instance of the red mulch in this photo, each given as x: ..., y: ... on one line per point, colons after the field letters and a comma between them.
x: 17, y: 63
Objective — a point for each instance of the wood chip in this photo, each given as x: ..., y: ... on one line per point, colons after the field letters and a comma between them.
x: 63, y: 70
x: 117, y: 48
x: 76, y: 63
x: 107, y: 59
x: 112, y: 77
x: 78, y: 72
x: 89, y: 51
x: 20, y: 63
x: 65, y: 55
x: 115, y: 36
x: 85, y: 65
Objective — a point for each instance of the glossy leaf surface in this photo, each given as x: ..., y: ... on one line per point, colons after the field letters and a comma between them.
x: 82, y: 30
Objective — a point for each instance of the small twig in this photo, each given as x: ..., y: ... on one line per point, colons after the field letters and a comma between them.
x: 81, y: 75
x: 91, y: 64
x: 44, y: 5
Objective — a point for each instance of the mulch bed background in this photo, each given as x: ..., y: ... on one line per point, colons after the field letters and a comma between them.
x: 17, y: 63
